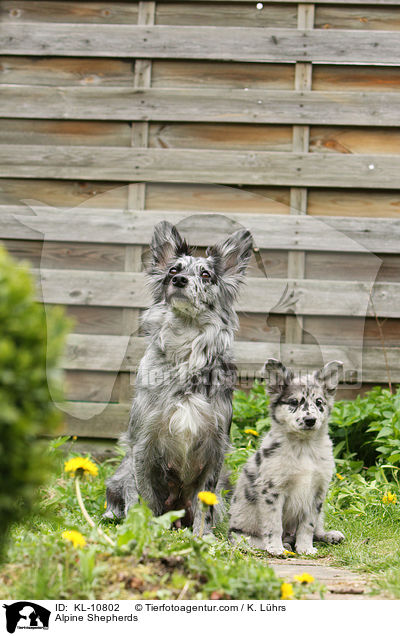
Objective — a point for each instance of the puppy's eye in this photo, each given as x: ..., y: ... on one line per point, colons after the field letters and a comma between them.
x: 293, y: 402
x: 173, y: 270
x: 205, y: 274
x: 319, y: 402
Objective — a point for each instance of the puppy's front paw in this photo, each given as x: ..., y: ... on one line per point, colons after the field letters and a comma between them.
x: 333, y: 536
x: 306, y: 549
x: 274, y: 549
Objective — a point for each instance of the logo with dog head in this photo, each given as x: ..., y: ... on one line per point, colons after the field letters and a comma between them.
x: 26, y: 615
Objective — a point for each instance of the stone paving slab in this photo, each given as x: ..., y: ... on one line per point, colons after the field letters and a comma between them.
x: 340, y: 584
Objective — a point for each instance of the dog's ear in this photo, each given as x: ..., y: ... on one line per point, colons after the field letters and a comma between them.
x: 166, y: 244
x: 231, y: 256
x: 277, y: 376
x: 328, y: 376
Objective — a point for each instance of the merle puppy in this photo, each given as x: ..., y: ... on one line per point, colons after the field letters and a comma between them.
x: 180, y: 419
x: 280, y: 493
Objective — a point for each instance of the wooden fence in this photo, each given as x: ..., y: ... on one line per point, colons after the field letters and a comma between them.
x: 282, y: 117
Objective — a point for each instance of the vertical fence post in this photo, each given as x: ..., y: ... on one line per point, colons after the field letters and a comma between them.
x: 136, y: 191
x: 298, y: 196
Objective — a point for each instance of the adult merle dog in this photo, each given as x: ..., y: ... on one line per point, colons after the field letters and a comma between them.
x: 180, y: 418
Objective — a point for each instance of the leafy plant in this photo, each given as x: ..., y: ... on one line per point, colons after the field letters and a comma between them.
x: 368, y: 428
x: 250, y: 410
x: 250, y: 423
x: 222, y: 569
x: 29, y: 351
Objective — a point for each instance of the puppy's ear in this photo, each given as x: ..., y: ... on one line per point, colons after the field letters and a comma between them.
x: 166, y: 244
x: 277, y: 376
x: 231, y: 256
x: 328, y: 376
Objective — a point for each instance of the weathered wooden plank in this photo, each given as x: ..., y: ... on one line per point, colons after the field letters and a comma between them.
x: 121, y: 353
x: 377, y: 204
x: 53, y: 71
x: 214, y: 74
x: 280, y: 296
x: 87, y: 419
x: 201, y: 13
x: 199, y: 105
x: 103, y: 353
x: 67, y: 255
x: 60, y: 71
x: 333, y: 330
x: 96, y: 320
x: 357, y: 17
x: 353, y: 140
x: 273, y: 232
x: 356, y: 78
x: 257, y: 327
x: 194, y: 198
x: 71, y: 12
x: 368, y: 363
x: 200, y: 166
x: 338, y: 266
x: 93, y: 386
x: 189, y: 198
x: 65, y: 132
x: 207, y: 42
x: 218, y: 136
x: 340, y: 2
x: 221, y: 14
x: 58, y: 192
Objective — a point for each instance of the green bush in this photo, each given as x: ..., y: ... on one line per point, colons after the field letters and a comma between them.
x: 29, y: 350
x: 250, y: 411
x: 368, y: 428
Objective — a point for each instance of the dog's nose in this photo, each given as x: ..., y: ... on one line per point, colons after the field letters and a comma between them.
x: 310, y: 421
x: 179, y: 281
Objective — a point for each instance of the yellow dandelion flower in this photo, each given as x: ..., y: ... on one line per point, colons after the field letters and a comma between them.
x: 304, y: 578
x: 77, y: 539
x: 105, y: 505
x: 74, y: 437
x: 286, y: 591
x: 208, y: 498
x: 289, y: 552
x: 389, y: 498
x: 339, y: 476
x: 251, y: 431
x: 81, y: 464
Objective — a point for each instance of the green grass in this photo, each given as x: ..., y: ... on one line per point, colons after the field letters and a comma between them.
x: 372, y: 531
x: 151, y: 561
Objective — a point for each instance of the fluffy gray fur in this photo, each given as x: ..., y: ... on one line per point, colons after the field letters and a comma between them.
x: 280, y: 492
x: 180, y: 419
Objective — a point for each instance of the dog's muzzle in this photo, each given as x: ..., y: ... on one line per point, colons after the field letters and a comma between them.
x: 180, y: 281
x: 310, y: 422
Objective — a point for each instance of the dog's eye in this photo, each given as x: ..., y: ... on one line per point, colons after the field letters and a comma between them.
x: 173, y: 270
x: 205, y: 274
x: 319, y: 402
x: 293, y: 402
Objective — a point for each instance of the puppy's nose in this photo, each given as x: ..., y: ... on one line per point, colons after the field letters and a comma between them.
x: 179, y: 281
x: 310, y: 421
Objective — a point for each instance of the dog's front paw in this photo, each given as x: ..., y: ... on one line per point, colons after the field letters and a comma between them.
x: 112, y: 514
x: 306, y: 549
x: 274, y: 550
x: 333, y: 536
